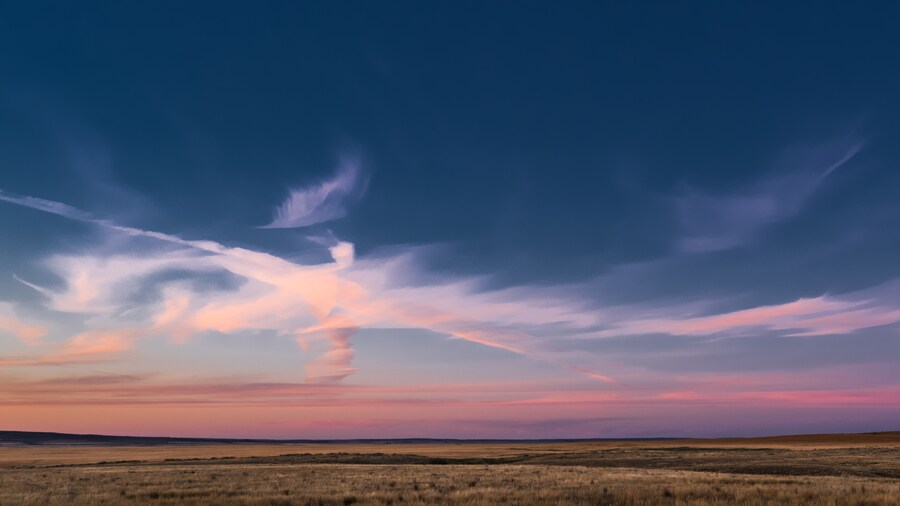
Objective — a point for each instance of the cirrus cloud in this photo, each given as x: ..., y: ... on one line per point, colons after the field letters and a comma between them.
x: 322, y: 202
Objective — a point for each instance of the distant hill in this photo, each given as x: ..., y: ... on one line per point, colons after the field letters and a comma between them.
x: 57, y: 438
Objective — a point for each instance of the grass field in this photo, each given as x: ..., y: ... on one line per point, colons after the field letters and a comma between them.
x: 840, y: 469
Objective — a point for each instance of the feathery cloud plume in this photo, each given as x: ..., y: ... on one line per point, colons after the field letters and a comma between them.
x: 322, y: 202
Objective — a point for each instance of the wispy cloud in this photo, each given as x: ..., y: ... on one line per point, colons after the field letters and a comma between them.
x: 323, y: 305
x: 317, y: 304
x: 802, y: 317
x: 719, y: 221
x: 322, y: 202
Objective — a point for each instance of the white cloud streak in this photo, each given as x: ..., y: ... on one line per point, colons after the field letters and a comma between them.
x: 802, y: 317
x: 48, y: 206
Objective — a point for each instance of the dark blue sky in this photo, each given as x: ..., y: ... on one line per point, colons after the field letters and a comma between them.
x: 506, y: 129
x: 677, y: 160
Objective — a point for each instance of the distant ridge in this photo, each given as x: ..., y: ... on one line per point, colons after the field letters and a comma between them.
x: 63, y: 439
x: 58, y: 438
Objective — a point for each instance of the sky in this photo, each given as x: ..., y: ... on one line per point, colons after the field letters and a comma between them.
x: 449, y: 219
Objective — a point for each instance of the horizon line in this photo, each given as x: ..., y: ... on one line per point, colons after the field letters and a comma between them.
x: 87, y: 436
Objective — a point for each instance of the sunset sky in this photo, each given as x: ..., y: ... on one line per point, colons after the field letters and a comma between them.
x: 449, y: 219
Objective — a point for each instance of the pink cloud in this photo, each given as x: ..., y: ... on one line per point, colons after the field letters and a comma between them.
x: 323, y: 305
x: 85, y: 347
x: 889, y: 396
x: 28, y: 333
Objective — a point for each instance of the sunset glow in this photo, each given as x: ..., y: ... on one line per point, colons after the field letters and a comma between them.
x: 427, y: 232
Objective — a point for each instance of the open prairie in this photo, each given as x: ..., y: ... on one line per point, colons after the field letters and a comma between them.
x: 825, y: 469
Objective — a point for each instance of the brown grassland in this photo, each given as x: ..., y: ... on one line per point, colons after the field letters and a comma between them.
x: 828, y: 469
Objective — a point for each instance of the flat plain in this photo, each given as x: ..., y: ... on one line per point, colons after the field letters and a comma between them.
x: 820, y: 469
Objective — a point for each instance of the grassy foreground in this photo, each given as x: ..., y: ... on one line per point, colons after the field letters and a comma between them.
x: 339, y: 484
x: 755, y: 472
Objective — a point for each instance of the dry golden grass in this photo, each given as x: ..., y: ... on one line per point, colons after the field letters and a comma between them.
x: 327, y: 484
x: 836, y: 470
